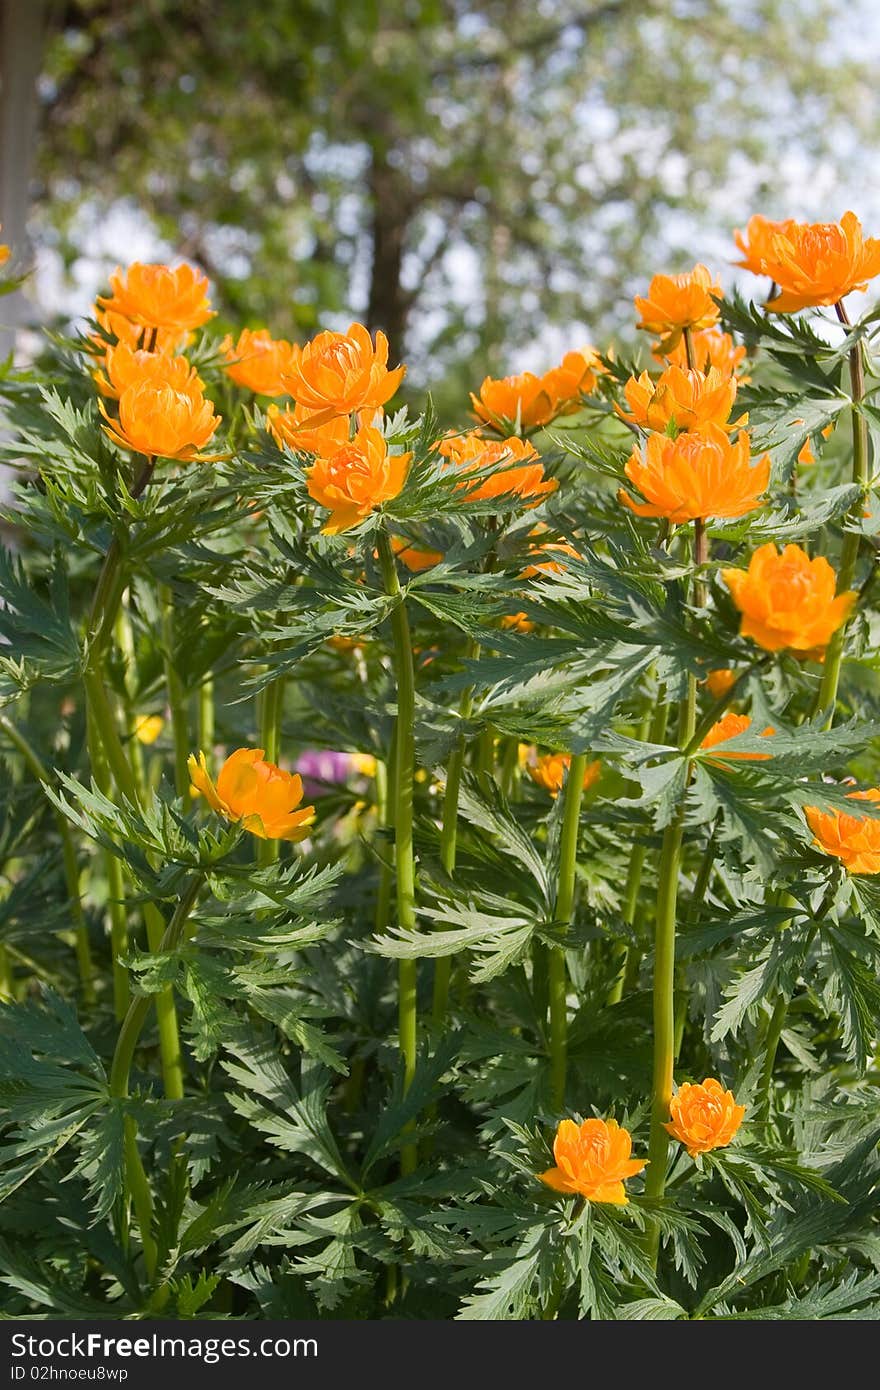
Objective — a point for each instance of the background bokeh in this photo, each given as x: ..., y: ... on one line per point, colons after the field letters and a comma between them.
x: 487, y: 180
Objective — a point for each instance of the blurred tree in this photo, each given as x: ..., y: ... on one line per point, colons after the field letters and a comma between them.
x: 458, y: 172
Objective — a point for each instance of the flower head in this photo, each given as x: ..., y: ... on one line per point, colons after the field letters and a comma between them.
x: 676, y: 302
x: 551, y: 553
x: 681, y: 400
x: 255, y: 794
x: 296, y: 429
x: 575, y: 376
x: 854, y: 840
x: 148, y: 727
x: 719, y: 682
x: 704, y: 1117
x: 787, y: 600
x: 710, y: 347
x: 810, y: 263
x: 524, y: 401
x: 729, y: 726
x: 593, y: 1160
x: 518, y: 622
x: 356, y: 478
x: 549, y: 770
x: 125, y: 366
x: 416, y: 557
x: 696, y: 475
x: 155, y: 296
x: 519, y: 470
x: 157, y: 420
x: 134, y: 335
x: 5, y: 252
x: 337, y: 373
x: 258, y: 361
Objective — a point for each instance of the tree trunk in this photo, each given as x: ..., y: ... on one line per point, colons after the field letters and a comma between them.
x: 392, y: 207
x: 21, y: 53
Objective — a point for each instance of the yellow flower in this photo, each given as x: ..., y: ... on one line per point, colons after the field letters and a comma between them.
x: 258, y: 795
x: 593, y: 1160
x: 148, y: 727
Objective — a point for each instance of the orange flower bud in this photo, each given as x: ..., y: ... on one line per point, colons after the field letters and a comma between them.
x: 155, y: 296
x: 295, y: 428
x: 704, y: 1117
x: 787, y: 600
x: 728, y: 727
x: 549, y: 770
x: 258, y: 361
x: 810, y: 263
x: 156, y: 420
x: 355, y: 479
x: 696, y: 475
x: 854, y: 840
x: 681, y: 400
x: 470, y: 452
x: 261, y: 797
x: 710, y: 347
x: 719, y: 682
x: 593, y: 1160
x: 676, y: 302
x: 124, y: 366
x: 337, y: 373
x: 416, y: 557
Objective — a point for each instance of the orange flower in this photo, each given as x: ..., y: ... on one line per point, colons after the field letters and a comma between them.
x: 593, y: 1159
x: 337, y: 373
x: 124, y: 366
x: 806, y: 454
x: 549, y: 770
x: 518, y: 622
x: 134, y: 334
x: 550, y: 565
x: 355, y: 479
x: 256, y: 794
x: 680, y: 400
x: 719, y: 682
x: 416, y: 557
x: 710, y: 347
x: 676, y: 302
x: 155, y: 296
x: 523, y: 401
x: 575, y: 376
x: 161, y: 422
x: 5, y: 252
x: 148, y: 727
x: 728, y: 727
x: 854, y: 840
x: 810, y: 263
x: 471, y: 453
x: 258, y: 361
x: 704, y: 1117
x: 787, y: 600
x: 295, y: 428
x: 696, y: 475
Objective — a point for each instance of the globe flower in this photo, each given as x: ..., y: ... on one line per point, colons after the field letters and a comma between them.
x: 676, y: 302
x: 518, y: 622
x: 695, y: 475
x: 471, y: 453
x: 296, y: 429
x: 704, y: 1117
x: 258, y: 361
x: 134, y: 334
x: 161, y: 422
x: 525, y: 401
x: 416, y: 557
x: 593, y: 1160
x: 787, y: 600
x: 680, y: 401
x: 729, y: 726
x: 710, y: 347
x: 549, y: 770
x: 575, y: 376
x: 155, y: 296
x: 854, y: 840
x: 257, y: 795
x: 718, y: 683
x: 337, y: 373
x: 148, y: 727
x: 810, y: 263
x: 355, y: 479
x: 125, y: 366
x: 550, y: 564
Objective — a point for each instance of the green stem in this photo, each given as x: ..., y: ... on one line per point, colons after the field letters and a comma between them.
x: 68, y: 855
x: 7, y: 979
x: 449, y: 839
x: 771, y: 1047
x: 558, y: 985
x: 664, y: 981
x: 402, y: 792
x: 826, y: 697
x: 385, y: 817
x: 125, y: 643
x: 271, y: 710
x: 176, y: 697
x: 206, y: 714
x: 115, y: 885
